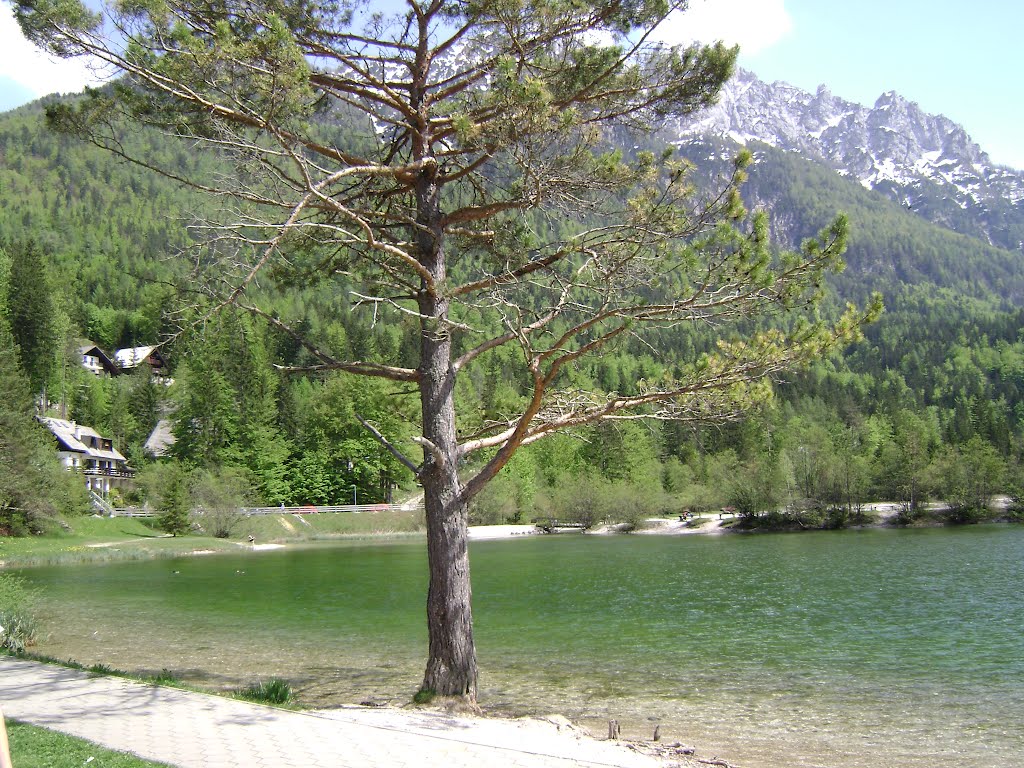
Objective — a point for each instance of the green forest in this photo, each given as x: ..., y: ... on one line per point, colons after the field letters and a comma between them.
x: 927, y: 407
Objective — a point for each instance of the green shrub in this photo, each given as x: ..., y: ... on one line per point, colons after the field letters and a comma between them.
x: 165, y: 677
x: 276, y: 691
x: 966, y: 514
x: 1015, y: 512
x: 496, y: 504
x: 837, y: 517
x: 908, y: 514
x: 217, y: 498
x: 17, y: 614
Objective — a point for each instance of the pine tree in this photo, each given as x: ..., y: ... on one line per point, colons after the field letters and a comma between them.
x: 32, y: 315
x: 30, y: 478
x: 486, y: 115
x: 168, y: 484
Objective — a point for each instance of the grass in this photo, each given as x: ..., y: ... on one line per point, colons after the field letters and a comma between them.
x: 17, y: 613
x: 33, y: 747
x: 276, y: 692
x: 424, y: 696
x: 283, y: 528
x: 94, y: 539
x: 165, y: 677
x: 88, y: 539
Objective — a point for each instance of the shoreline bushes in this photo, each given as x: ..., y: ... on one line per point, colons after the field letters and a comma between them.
x: 18, y: 626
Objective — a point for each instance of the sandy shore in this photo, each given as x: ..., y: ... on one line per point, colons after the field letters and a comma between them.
x: 501, y: 531
x: 709, y: 524
x: 712, y: 524
x: 553, y: 737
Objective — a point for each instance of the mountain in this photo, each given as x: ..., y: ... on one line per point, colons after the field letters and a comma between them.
x: 927, y: 163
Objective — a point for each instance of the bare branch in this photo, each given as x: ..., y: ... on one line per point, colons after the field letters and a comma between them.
x: 432, y: 449
x: 387, y: 444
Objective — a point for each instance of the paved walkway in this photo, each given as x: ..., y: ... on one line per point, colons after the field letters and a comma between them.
x: 195, y: 730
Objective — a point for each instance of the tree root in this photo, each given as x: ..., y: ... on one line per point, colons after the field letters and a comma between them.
x: 453, y: 705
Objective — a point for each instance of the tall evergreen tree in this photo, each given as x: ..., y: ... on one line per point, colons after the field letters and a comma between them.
x: 31, y: 481
x: 32, y: 315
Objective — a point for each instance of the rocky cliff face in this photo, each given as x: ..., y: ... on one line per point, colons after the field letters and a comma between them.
x: 926, y: 162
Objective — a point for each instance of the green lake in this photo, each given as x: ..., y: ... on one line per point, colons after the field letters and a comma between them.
x: 845, y: 649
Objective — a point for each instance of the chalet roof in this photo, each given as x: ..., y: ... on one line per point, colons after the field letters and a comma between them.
x: 160, y: 439
x: 135, y: 356
x: 76, y: 438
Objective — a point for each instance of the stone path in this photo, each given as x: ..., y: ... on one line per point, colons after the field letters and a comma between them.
x: 195, y: 730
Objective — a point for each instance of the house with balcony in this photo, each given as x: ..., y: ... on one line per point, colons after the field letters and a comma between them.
x: 83, y: 450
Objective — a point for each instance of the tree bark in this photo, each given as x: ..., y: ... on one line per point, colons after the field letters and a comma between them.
x: 451, y: 664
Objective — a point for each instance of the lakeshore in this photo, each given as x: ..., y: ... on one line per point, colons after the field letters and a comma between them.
x: 103, y: 539
x: 151, y: 722
x: 773, y: 650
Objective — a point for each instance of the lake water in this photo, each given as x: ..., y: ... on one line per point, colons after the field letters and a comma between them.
x: 842, y: 649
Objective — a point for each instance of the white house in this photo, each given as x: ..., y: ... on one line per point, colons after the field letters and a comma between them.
x: 82, y: 449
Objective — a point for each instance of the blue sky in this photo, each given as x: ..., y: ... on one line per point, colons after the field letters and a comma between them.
x: 962, y: 60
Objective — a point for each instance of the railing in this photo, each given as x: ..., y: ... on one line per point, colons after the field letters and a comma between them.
x: 95, y: 472
x: 310, y: 509
x: 134, y: 512
x: 101, y: 504
x: 303, y: 510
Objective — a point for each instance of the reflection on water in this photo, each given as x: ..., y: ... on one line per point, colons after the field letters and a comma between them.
x: 832, y: 649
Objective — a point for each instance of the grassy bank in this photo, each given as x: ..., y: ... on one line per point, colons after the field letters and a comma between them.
x: 94, y: 539
x: 274, y: 692
x: 33, y: 747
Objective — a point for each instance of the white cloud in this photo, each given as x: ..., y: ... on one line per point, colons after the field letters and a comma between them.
x: 752, y: 24
x: 35, y: 70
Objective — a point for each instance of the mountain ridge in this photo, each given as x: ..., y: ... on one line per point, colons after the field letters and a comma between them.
x: 928, y: 163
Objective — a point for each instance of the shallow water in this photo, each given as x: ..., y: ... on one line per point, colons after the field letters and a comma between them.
x: 841, y: 649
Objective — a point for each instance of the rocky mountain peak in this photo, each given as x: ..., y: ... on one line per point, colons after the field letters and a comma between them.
x: 894, y: 147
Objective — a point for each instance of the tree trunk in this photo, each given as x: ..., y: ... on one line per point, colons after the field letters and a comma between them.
x: 451, y: 664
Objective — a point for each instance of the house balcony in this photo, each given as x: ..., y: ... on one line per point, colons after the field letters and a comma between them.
x: 101, y: 472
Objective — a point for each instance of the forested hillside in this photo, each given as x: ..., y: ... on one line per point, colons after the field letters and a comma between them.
x: 929, y: 405
x: 951, y: 335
